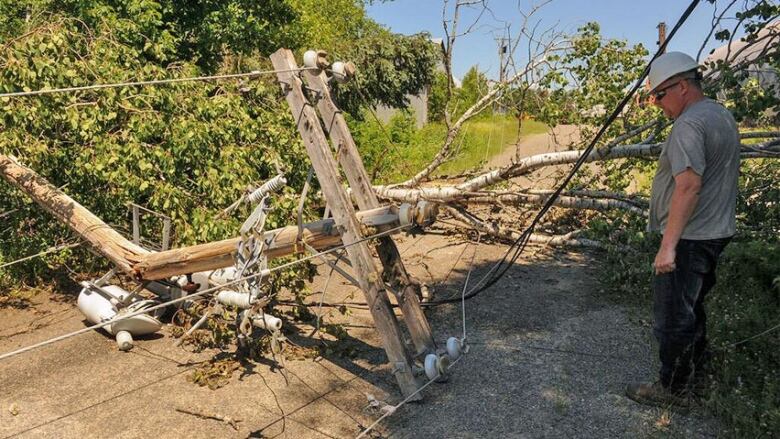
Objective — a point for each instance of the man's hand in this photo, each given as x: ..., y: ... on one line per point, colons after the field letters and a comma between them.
x: 664, y: 260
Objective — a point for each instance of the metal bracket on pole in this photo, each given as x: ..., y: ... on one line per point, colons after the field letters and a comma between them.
x: 166, y: 226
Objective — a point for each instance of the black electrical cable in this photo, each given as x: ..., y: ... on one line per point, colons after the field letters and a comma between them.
x: 516, y: 249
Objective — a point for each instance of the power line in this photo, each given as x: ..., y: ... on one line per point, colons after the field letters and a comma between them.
x: 251, y: 75
x: 394, y: 408
x: 45, y: 252
x: 753, y: 337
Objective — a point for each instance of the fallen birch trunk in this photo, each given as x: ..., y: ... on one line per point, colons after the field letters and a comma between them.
x: 568, y: 240
x: 634, y: 199
x: 445, y: 194
x: 562, y: 201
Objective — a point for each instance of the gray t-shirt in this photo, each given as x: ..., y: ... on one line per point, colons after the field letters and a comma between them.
x: 704, y: 138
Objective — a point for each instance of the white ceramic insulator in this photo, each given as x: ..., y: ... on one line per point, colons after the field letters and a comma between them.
x: 436, y: 367
x: 98, y: 308
x: 453, y: 348
x: 339, y: 72
x: 424, y: 213
x: 267, y: 322
x: 140, y: 324
x: 310, y: 59
x: 234, y: 298
x: 124, y: 341
x: 267, y: 188
x: 431, y: 369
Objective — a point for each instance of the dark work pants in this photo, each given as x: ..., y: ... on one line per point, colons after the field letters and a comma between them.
x: 680, y: 321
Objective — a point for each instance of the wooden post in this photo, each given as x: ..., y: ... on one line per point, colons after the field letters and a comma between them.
x: 404, y: 288
x: 166, y: 234
x: 136, y: 225
x: 344, y: 214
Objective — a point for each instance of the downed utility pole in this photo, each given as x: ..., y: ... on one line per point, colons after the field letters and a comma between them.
x: 347, y: 227
x: 405, y: 289
x: 146, y: 265
x: 325, y: 167
x: 281, y: 242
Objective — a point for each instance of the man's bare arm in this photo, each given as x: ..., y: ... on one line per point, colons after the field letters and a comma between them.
x: 684, y: 198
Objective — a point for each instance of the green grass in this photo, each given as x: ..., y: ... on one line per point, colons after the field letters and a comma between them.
x: 478, y: 141
x: 397, y: 150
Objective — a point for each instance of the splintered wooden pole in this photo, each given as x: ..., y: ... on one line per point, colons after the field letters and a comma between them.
x: 404, y: 288
x: 281, y: 242
x: 89, y: 227
x: 324, y: 165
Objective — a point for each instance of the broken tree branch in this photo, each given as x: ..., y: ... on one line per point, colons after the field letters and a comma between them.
x: 527, y: 165
x: 484, y: 102
x: 504, y: 233
x: 516, y: 198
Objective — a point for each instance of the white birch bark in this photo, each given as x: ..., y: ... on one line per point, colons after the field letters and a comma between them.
x: 450, y: 193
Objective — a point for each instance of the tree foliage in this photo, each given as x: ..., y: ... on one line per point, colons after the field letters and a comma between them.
x: 202, y: 32
x: 748, y: 80
x: 474, y: 85
x: 437, y: 97
x: 590, y: 81
x: 390, y: 66
x: 187, y: 150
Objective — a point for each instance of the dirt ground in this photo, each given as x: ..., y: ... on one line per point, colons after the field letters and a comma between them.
x: 549, y: 357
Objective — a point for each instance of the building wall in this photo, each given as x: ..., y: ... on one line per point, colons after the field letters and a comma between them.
x: 419, y: 104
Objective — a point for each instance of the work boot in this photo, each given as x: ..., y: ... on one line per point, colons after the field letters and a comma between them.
x: 658, y: 395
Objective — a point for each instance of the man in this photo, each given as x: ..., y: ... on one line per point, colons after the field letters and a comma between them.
x: 693, y: 203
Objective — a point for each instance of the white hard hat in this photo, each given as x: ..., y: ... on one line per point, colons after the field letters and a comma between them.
x: 668, y: 65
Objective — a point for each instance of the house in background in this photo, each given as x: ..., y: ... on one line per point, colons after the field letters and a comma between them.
x: 745, y: 54
x: 418, y: 103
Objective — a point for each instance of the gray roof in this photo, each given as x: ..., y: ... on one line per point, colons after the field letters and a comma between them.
x: 740, y: 51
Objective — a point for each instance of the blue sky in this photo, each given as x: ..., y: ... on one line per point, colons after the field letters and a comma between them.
x: 634, y: 21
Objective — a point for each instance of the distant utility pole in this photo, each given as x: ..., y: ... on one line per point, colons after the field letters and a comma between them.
x: 661, y: 34
x: 503, y: 49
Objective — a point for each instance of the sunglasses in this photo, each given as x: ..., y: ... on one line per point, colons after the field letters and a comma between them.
x: 660, y: 93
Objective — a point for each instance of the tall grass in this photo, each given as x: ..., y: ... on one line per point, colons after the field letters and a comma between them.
x: 397, y: 150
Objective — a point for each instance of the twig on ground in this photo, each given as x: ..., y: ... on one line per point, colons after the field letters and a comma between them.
x: 233, y: 422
